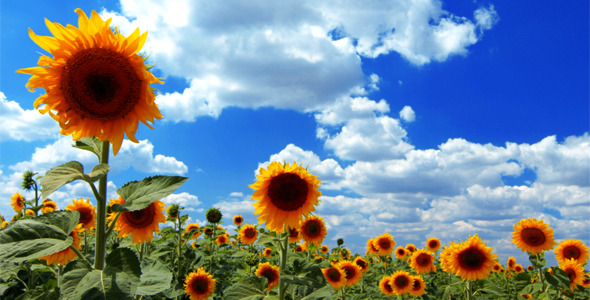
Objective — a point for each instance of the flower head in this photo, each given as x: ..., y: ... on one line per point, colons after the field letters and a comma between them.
x: 270, y: 272
x: 17, y: 201
x: 401, y: 282
x: 353, y: 272
x: 574, y: 271
x: 400, y: 252
x: 335, y: 277
x: 192, y: 226
x: 572, y: 249
x: 418, y: 286
x: 384, y: 244
x: 385, y: 286
x: 172, y: 211
x: 313, y: 230
x: 472, y: 259
x: 48, y: 206
x: 238, y: 220
x: 294, y: 235
x: 213, y: 215
x: 433, y: 244
x: 199, y: 285
x: 66, y: 255
x: 359, y: 261
x: 141, y: 224
x: 248, y: 234
x: 422, y: 261
x: 533, y: 236
x: 87, y: 213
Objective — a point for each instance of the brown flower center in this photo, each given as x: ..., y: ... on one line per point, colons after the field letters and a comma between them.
x: 572, y: 252
x: 361, y: 263
x: 312, y: 228
x: 533, y: 236
x: 270, y: 275
x: 424, y: 260
x: 433, y: 244
x: 288, y: 191
x: 333, y: 275
x: 471, y: 259
x: 85, y: 215
x: 250, y: 233
x: 401, y: 281
x: 100, y: 84
x: 401, y: 252
x: 571, y: 273
x: 350, y: 271
x: 201, y: 285
x: 140, y: 218
x: 417, y: 285
x: 384, y: 243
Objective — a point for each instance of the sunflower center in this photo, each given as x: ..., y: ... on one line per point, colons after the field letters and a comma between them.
x: 312, y: 229
x: 350, y: 271
x: 572, y: 252
x: 423, y: 259
x: 288, y: 191
x: 384, y: 243
x: 433, y: 244
x: 250, y: 232
x: 293, y: 233
x: 361, y: 263
x: 270, y: 275
x: 401, y: 252
x: 417, y: 285
x: 571, y: 273
x: 200, y: 285
x: 401, y: 281
x: 533, y: 236
x: 140, y: 218
x: 85, y: 215
x: 471, y: 259
x: 334, y: 275
x: 100, y: 84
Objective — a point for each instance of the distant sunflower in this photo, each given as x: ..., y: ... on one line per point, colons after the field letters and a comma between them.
x: 384, y: 244
x: 385, y: 286
x: 29, y: 212
x: 518, y: 268
x: 335, y: 277
x: 371, y: 248
x: 586, y: 280
x: 497, y: 267
x: 267, y: 252
x: 238, y: 220
x: 353, y: 272
x: 173, y: 211
x: 418, y: 286
x: 472, y: 259
x: 401, y: 282
x: 199, y: 285
x: 270, y: 272
x: 248, y: 234
x: 17, y: 201
x: 511, y: 262
x: 574, y: 271
x: 66, y: 255
x: 313, y: 230
x: 411, y: 248
x: 422, y: 261
x: 96, y: 84
x: 87, y: 213
x: 141, y: 224
x: 359, y: 261
x: 433, y: 244
x: 294, y: 235
x: 222, y: 239
x: 572, y: 249
x: 48, y: 206
x: 400, y: 252
x: 192, y: 226
x: 284, y: 193
x: 324, y: 249
x: 4, y: 224
x: 533, y: 236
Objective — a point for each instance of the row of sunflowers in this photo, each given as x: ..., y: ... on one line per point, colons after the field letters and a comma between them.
x: 98, y: 90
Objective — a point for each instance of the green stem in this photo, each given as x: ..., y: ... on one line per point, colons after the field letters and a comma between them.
x: 101, y: 212
x: 468, y: 290
x: 36, y: 198
x: 80, y: 255
x: 141, y: 249
x: 284, y: 251
x: 541, y: 275
x: 112, y: 227
x: 179, y: 250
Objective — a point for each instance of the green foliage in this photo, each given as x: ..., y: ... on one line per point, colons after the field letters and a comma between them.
x: 63, y: 174
x: 93, y: 145
x: 140, y: 194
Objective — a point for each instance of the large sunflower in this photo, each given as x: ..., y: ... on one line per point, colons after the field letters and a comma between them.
x: 66, y: 255
x: 384, y: 244
x: 571, y: 249
x: 574, y: 271
x: 270, y: 272
x: 313, y: 230
x: 335, y: 277
x: 284, y: 193
x: 248, y: 234
x: 422, y: 261
x: 96, y: 84
x: 141, y: 224
x: 87, y: 213
x: 401, y: 282
x: 385, y: 286
x: 17, y: 201
x: 533, y: 236
x: 472, y: 259
x: 353, y: 272
x: 199, y: 284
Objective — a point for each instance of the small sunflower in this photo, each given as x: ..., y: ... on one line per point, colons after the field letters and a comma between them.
x: 248, y: 234
x: 511, y: 262
x: 29, y: 212
x: 294, y: 236
x: 238, y: 220
x: 267, y: 252
x: 17, y: 201
x: 411, y: 248
x: 222, y: 239
x: 213, y: 215
x: 400, y: 252
x: 574, y: 271
x: 353, y: 272
x: 48, y: 206
x: 4, y: 224
x: 335, y: 277
x: 96, y: 84
x: 192, y: 226
x: 418, y: 286
x: 472, y: 259
x: 384, y: 244
x: 270, y: 272
x: 87, y: 213
x: 385, y: 286
x: 518, y: 268
x: 586, y: 280
x: 572, y: 249
x: 371, y: 248
x: 324, y: 249
x: 66, y: 255
x: 284, y: 194
x: 401, y: 282
x: 359, y: 261
x: 497, y: 267
x: 313, y: 230
x: 173, y: 211
x: 533, y: 236
x: 199, y: 285
x: 433, y: 244
x: 141, y: 224
x: 422, y: 261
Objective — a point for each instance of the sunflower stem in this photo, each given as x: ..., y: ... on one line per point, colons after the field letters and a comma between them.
x: 179, y: 250
x: 284, y: 247
x: 101, y: 213
x: 80, y: 255
x: 468, y: 289
x: 541, y: 275
x: 112, y: 227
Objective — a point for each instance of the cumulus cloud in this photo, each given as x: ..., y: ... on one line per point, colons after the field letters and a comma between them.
x: 183, y: 199
x: 19, y: 124
x: 407, y: 114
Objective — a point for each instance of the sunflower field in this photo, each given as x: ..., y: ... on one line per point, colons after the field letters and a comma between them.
x: 98, y: 89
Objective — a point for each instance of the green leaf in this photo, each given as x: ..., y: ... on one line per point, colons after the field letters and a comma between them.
x: 251, y: 288
x: 155, y: 278
x: 140, y: 194
x: 538, y: 260
x: 7, y: 269
x: 29, y: 239
x: 118, y: 280
x: 323, y: 293
x: 267, y: 237
x: 558, y: 279
x: 93, y: 145
x: 63, y: 174
x: 521, y: 280
x: 65, y: 220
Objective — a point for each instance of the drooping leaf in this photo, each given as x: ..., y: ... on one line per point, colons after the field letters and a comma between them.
x: 63, y: 174
x: 155, y: 278
x: 29, y: 239
x: 323, y: 293
x: 140, y: 194
x: 7, y: 269
x: 558, y: 279
x: 251, y: 288
x: 64, y: 219
x: 93, y: 145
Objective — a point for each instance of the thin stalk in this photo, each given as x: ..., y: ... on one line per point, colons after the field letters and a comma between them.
x: 468, y: 290
x: 112, y: 227
x: 80, y: 255
x: 141, y: 249
x: 284, y: 247
x: 541, y: 275
x: 101, y: 212
x: 36, y: 197
x: 179, y: 250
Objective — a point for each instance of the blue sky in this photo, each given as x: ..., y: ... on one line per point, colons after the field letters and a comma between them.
x: 422, y: 119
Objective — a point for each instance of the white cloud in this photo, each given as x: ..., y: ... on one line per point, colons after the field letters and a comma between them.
x: 24, y: 125
x: 183, y: 199
x: 407, y: 114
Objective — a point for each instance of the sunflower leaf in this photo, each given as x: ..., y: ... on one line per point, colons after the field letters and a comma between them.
x: 323, y: 293
x: 29, y: 239
x: 155, y: 278
x: 90, y: 144
x: 140, y: 194
x: 63, y: 174
x: 251, y: 288
x: 97, y: 172
x: 66, y: 220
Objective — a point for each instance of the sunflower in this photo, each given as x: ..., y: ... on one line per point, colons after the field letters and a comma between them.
x: 270, y: 272
x: 359, y: 261
x: 418, y: 286
x: 267, y: 252
x: 173, y: 211
x: 353, y: 272
x: 313, y: 230
x: 571, y: 249
x: 238, y: 220
x: 446, y: 257
x: 199, y: 284
x: 248, y: 234
x: 335, y: 277
x: 4, y: 224
x: 66, y: 255
x: 533, y: 236
x: 497, y: 267
x: 324, y: 249
x: 371, y: 248
x: 48, y: 206
x: 400, y: 252
x: 96, y: 84
x: 472, y: 259
x: 192, y: 226
x: 294, y: 236
x: 285, y: 194
x: 29, y: 212
x: 411, y: 248
x: 141, y: 224
x: 586, y: 280
x: 518, y: 268
x: 511, y: 262
x: 222, y: 239
x: 574, y: 271
x: 401, y: 282
x: 422, y: 261
x: 384, y: 244
x: 433, y: 244
x: 87, y: 213
x: 385, y: 286
x: 17, y: 201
